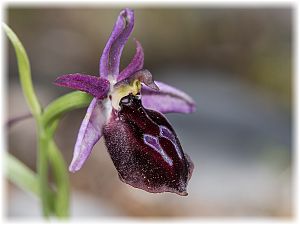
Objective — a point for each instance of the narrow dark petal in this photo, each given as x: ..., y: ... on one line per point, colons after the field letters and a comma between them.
x: 167, y: 100
x: 98, y: 87
x: 136, y: 63
x: 89, y: 134
x: 143, y: 76
x: 145, y: 149
x: 110, y: 59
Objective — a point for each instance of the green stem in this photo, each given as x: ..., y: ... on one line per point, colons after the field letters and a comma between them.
x: 51, y: 127
x: 57, y: 162
x: 42, y: 169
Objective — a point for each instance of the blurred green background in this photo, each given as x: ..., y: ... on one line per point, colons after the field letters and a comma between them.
x: 235, y: 62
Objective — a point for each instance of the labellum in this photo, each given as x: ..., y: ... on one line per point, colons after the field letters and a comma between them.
x: 145, y: 149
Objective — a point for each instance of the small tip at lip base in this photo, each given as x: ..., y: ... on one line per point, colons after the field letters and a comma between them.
x: 183, y: 193
x: 179, y: 191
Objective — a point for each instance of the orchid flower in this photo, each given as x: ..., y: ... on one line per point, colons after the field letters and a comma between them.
x: 127, y: 111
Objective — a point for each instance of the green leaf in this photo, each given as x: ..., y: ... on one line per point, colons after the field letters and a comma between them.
x: 24, y: 72
x: 66, y: 103
x: 21, y: 175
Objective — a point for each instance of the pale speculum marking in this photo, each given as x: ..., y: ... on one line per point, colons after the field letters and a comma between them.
x: 154, y: 144
x: 166, y: 133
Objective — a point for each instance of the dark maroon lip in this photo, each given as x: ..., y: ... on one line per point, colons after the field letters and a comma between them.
x: 145, y: 149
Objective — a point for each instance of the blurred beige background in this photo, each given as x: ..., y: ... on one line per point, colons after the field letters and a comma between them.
x: 235, y: 62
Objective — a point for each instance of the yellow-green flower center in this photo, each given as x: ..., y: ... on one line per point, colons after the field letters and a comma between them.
x: 123, y: 90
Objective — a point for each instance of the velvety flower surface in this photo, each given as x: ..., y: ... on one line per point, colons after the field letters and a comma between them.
x: 127, y: 110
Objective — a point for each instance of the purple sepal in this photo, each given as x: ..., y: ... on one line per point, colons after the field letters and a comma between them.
x: 136, y: 63
x: 167, y: 100
x: 96, y: 86
x: 145, y: 149
x: 110, y: 59
x: 90, y: 132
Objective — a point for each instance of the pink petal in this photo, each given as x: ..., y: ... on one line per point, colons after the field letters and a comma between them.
x: 136, y: 63
x: 89, y: 134
x: 168, y: 99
